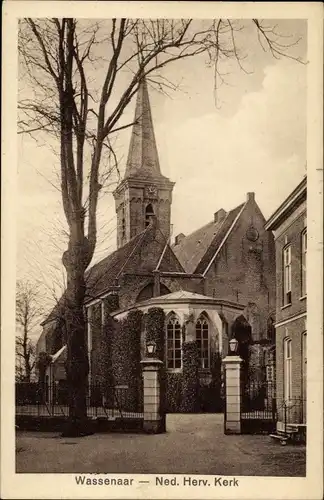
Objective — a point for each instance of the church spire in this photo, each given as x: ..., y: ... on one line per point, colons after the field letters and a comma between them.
x: 143, y: 159
x: 144, y: 193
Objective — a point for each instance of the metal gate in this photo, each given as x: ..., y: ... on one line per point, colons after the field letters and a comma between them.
x: 258, y: 407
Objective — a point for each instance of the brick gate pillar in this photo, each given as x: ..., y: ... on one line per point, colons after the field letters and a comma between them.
x: 153, y: 396
x: 232, y: 424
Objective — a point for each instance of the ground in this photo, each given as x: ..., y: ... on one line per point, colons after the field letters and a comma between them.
x: 193, y: 444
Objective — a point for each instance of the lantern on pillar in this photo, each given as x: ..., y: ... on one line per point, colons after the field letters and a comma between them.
x: 150, y: 348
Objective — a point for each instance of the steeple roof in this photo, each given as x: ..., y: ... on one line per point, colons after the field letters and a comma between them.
x: 143, y: 159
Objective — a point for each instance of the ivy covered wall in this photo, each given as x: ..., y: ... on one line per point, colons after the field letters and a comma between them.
x: 116, y: 361
x: 173, y: 392
x: 190, y: 377
x: 126, y: 357
x: 154, y: 329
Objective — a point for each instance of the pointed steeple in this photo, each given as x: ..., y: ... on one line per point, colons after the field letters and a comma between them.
x: 143, y: 159
x: 144, y: 193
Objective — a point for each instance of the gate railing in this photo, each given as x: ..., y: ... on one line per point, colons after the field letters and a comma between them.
x: 258, y: 400
x: 119, y: 401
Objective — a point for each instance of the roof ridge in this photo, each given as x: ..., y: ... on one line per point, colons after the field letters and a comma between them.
x: 240, y: 208
x: 140, y: 239
x: 212, y: 221
x: 116, y: 250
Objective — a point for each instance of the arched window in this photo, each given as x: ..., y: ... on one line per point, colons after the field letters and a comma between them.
x: 203, y: 341
x: 149, y: 213
x: 123, y: 228
x: 271, y: 330
x: 241, y: 330
x: 287, y: 369
x: 174, y: 343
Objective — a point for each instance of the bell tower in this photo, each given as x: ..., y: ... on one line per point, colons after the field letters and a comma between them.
x: 144, y: 192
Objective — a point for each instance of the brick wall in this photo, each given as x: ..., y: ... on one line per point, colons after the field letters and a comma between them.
x: 290, y: 236
x: 294, y: 330
x: 244, y: 271
x: 131, y: 203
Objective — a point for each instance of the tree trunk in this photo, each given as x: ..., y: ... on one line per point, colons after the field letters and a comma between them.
x: 28, y: 371
x: 77, y: 365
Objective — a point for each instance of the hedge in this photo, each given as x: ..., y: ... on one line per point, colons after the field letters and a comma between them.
x: 111, y: 303
x: 126, y: 357
x: 155, y: 329
x: 190, y: 380
x: 173, y: 392
x: 104, y: 359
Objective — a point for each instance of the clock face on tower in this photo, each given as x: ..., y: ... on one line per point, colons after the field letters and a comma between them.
x: 151, y: 191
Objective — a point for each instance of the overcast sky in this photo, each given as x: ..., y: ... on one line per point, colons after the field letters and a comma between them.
x: 254, y: 140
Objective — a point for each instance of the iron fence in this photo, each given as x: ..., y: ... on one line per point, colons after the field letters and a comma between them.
x: 258, y: 399
x: 258, y: 407
x: 48, y: 400
x: 291, y: 411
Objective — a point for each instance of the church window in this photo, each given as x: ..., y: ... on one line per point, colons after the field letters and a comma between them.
x: 203, y: 341
x: 174, y: 343
x: 149, y: 213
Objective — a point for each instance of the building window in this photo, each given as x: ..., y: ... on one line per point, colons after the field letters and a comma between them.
x: 174, y: 343
x: 287, y: 369
x: 303, y: 261
x: 287, y: 275
x: 304, y: 374
x: 149, y: 213
x: 202, y: 338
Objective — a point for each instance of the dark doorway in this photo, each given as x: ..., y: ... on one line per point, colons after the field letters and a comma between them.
x: 241, y: 331
x: 148, y: 292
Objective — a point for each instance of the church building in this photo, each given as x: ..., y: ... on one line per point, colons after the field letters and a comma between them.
x: 212, y: 284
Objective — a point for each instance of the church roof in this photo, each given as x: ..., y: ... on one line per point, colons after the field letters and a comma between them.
x: 196, y: 250
x: 181, y: 297
x: 101, y: 276
x: 143, y: 159
x: 104, y: 274
x: 184, y: 295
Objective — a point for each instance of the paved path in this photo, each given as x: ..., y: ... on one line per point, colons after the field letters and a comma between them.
x: 193, y: 444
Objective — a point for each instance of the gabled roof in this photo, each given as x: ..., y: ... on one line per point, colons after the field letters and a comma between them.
x: 196, y: 250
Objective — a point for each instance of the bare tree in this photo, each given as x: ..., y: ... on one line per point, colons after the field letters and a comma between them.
x: 28, y: 313
x: 77, y: 80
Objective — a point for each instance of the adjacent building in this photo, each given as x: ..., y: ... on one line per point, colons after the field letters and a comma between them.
x: 289, y: 226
